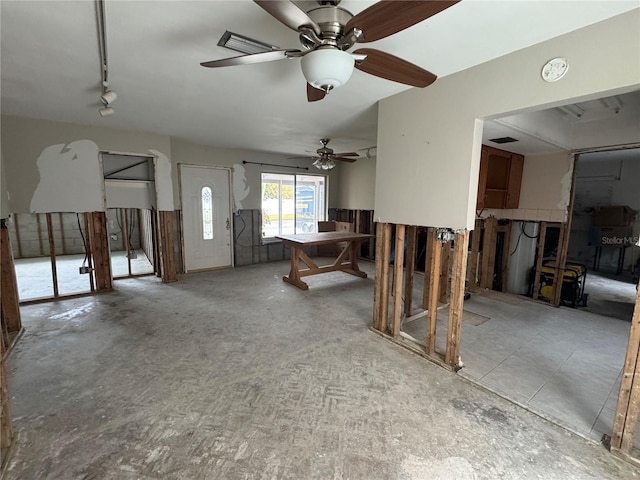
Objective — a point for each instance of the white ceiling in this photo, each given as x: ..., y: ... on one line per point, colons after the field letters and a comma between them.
x: 50, y: 66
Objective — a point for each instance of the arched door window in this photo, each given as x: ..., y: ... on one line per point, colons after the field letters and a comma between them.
x: 207, y: 213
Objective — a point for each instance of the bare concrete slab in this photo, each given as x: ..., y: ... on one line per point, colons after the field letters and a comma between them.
x: 236, y: 375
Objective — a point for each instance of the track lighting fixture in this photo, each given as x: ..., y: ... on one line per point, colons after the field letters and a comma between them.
x: 108, y: 97
x: 106, y: 111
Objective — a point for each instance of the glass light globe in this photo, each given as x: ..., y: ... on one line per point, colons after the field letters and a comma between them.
x: 327, y: 68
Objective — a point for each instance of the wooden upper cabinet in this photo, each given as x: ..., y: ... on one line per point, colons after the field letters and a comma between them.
x: 500, y: 178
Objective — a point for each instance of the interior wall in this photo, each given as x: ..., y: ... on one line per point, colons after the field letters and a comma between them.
x: 428, y: 139
x: 357, y: 184
x: 246, y: 178
x: 545, y: 190
x: 55, y: 167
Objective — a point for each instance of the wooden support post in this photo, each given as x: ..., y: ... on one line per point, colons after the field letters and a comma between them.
x: 167, y: 252
x: 100, y: 249
x: 444, y: 272
x: 434, y: 293
x: 40, y: 234
x: 62, y: 239
x: 52, y: 256
x: 127, y: 245
x: 377, y: 288
x: 456, y: 303
x: 87, y: 245
x: 432, y: 234
x: 398, y: 269
x: 16, y: 225
x: 8, y: 284
x: 410, y: 267
x: 561, y: 262
x: 6, y: 428
x: 540, y: 256
x: 506, y: 255
x: 372, y: 242
x: 626, y: 416
x: 489, y: 252
x: 475, y: 253
x: 386, y: 260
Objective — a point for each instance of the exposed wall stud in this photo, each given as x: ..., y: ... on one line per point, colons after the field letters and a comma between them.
x: 434, y: 294
x: 397, y: 278
x: 410, y: 267
x: 456, y: 302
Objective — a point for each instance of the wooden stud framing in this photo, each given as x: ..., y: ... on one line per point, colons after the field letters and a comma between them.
x: 100, y: 249
x: 87, y: 242
x: 626, y: 415
x: 167, y: 253
x: 8, y: 284
x: 52, y: 255
x: 489, y: 252
x: 377, y: 292
x: 127, y: 245
x: 16, y: 225
x: 6, y: 428
x: 540, y: 256
x: 434, y: 293
x: 386, y: 258
x: 410, y: 267
x: 506, y: 254
x: 398, y: 269
x: 561, y: 262
x: 431, y: 240
x: 456, y: 302
x: 444, y: 272
x: 475, y: 254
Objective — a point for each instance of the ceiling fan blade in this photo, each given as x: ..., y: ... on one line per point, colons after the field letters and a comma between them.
x: 343, y: 159
x: 253, y: 58
x: 289, y: 14
x: 392, y: 16
x: 314, y: 94
x: 390, y: 67
x: 303, y: 158
x: 347, y: 154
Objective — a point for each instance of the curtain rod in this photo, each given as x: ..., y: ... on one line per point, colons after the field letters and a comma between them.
x: 274, y: 165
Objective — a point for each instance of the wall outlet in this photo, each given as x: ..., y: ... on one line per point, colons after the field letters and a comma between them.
x: 84, y: 270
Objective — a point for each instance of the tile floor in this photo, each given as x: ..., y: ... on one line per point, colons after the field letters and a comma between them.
x: 561, y: 363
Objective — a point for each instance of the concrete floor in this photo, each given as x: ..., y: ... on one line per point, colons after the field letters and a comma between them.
x: 236, y: 375
x: 35, y: 279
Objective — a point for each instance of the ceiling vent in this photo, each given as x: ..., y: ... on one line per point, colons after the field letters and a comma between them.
x: 243, y: 44
x: 503, y: 140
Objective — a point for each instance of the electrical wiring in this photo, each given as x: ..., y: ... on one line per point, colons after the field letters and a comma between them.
x: 523, y: 226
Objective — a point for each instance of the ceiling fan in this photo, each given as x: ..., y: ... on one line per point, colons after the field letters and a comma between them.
x: 328, y: 31
x: 325, y: 160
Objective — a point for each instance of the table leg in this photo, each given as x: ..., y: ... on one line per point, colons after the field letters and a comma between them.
x: 353, y: 260
x: 294, y: 274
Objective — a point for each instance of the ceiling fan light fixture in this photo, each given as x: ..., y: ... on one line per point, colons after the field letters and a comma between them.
x: 327, y: 68
x: 324, y: 163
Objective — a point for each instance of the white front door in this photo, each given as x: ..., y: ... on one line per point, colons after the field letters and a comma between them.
x: 206, y: 217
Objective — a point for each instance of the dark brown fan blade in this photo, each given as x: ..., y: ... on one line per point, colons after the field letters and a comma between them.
x: 314, y: 94
x: 289, y: 14
x: 391, y: 16
x: 248, y: 59
x: 347, y: 154
x: 385, y: 65
x: 343, y: 159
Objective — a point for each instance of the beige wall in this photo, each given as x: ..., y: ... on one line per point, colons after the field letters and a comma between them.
x: 246, y: 176
x: 429, y: 139
x: 24, y: 140
x: 5, y: 204
x: 357, y: 184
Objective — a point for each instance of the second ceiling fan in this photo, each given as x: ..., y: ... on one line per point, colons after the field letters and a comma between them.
x: 327, y: 32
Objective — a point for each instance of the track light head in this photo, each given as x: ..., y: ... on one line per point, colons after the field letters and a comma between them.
x: 108, y: 97
x: 106, y: 111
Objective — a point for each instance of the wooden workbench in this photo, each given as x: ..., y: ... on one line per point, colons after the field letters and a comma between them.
x: 347, y: 260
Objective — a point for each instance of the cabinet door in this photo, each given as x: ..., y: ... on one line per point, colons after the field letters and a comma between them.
x: 482, y: 180
x: 515, y: 180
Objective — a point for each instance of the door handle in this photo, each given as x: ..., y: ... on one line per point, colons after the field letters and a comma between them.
x: 228, y: 224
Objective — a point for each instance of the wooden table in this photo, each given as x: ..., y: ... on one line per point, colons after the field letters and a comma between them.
x: 345, y: 262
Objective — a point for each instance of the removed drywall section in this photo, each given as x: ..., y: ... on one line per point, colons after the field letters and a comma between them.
x: 24, y: 140
x: 427, y: 168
